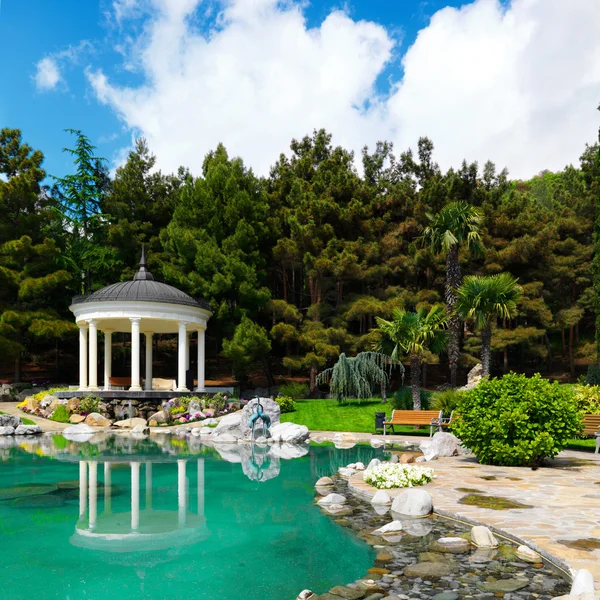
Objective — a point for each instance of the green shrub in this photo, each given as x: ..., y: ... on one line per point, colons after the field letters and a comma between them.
x: 178, y: 410
x: 89, y: 404
x: 40, y: 395
x: 402, y: 399
x: 587, y: 398
x: 218, y: 402
x: 61, y: 414
x: 593, y: 375
x: 294, y: 390
x: 445, y: 401
x: 516, y: 421
x: 286, y: 404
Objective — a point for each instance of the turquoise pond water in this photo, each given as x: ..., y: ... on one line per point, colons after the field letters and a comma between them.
x: 173, y: 521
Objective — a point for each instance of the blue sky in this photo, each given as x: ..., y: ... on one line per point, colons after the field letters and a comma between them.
x: 110, y: 81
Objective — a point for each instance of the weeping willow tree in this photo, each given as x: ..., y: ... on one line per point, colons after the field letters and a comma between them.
x: 357, y: 377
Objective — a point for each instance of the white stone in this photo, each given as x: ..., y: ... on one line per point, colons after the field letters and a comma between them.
x: 413, y: 503
x: 305, y: 595
x: 441, y: 444
x: 359, y: 466
x: 211, y: 421
x: 391, y: 527
x: 9, y: 421
x: 79, y: 430
x: 130, y: 423
x: 332, y: 499
x: 289, y: 432
x: 141, y: 429
x: 206, y: 431
x: 269, y: 408
x: 196, y: 431
x: 28, y: 430
x: 7, y: 430
x: 482, y: 537
x: 230, y: 423
x: 583, y: 583
x: 381, y: 497
x: 528, y: 555
x: 374, y: 463
x: 324, y: 481
x: 345, y: 472
x: 454, y: 544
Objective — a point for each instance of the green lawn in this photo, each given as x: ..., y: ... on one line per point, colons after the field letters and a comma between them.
x: 329, y: 415
x: 24, y: 420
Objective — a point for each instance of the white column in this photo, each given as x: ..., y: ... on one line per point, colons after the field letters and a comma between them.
x: 148, y: 385
x: 83, y: 357
x: 181, y: 357
x: 201, y: 387
x: 187, y: 350
x: 93, y: 341
x: 201, y: 487
x: 148, y: 485
x: 93, y: 494
x: 181, y: 491
x: 135, y: 495
x: 107, y: 488
x: 135, y: 354
x: 82, y: 487
x: 107, y: 358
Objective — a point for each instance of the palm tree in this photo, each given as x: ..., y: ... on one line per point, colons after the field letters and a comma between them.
x: 482, y: 300
x: 412, y: 335
x: 455, y: 224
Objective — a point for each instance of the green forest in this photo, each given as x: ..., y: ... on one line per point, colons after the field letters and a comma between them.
x: 299, y: 266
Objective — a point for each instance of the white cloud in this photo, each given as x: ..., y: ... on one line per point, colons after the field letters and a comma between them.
x: 49, y: 70
x: 47, y: 75
x: 518, y: 85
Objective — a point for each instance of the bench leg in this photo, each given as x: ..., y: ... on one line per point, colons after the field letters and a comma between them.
x: 384, y: 430
x: 597, y: 444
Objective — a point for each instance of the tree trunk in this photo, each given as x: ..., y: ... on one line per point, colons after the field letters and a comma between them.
x: 454, y: 324
x: 564, y: 343
x: 383, y: 393
x: 571, y: 350
x: 313, y: 378
x: 18, y: 368
x: 549, y: 350
x: 486, y: 350
x: 285, y: 286
x: 424, y: 375
x: 268, y: 372
x: 415, y: 376
x: 505, y: 360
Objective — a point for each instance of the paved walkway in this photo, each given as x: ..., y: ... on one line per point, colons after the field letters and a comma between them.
x: 562, y: 516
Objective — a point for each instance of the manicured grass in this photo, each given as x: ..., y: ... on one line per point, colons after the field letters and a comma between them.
x: 24, y: 420
x: 329, y: 415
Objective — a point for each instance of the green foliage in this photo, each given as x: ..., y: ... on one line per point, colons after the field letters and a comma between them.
x: 403, y: 399
x: 60, y: 414
x: 40, y: 395
x: 286, y: 404
x: 218, y: 401
x: 250, y: 343
x: 178, y: 410
x: 593, y: 375
x: 445, y: 401
x: 517, y: 421
x: 88, y: 404
x: 587, y: 398
x: 294, y: 390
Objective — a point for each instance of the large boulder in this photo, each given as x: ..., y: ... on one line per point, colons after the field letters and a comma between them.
x: 75, y: 419
x: 47, y: 400
x: 290, y: 433
x: 269, y: 407
x: 9, y: 421
x: 160, y: 417
x: 97, y: 420
x: 28, y: 430
x: 229, y: 426
x: 482, y: 537
x: 130, y: 423
x: 441, y: 444
x: 6, y: 430
x: 195, y: 406
x: 413, y: 503
x: 473, y: 378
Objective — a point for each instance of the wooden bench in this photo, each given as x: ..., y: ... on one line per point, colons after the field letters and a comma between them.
x: 591, y: 426
x: 119, y: 382
x: 433, y: 418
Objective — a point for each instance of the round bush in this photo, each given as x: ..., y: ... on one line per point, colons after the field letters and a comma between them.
x: 286, y: 404
x: 517, y: 421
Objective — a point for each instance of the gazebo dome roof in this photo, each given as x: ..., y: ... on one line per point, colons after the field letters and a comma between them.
x: 142, y: 288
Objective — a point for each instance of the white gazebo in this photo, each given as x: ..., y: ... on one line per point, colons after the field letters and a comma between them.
x: 141, y: 306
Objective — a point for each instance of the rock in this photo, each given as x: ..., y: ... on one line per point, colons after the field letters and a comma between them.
x: 338, y: 510
x: 375, y: 443
x: 359, y: 466
x: 130, y: 423
x: 210, y: 421
x: 392, y: 527
x: 290, y: 451
x: 204, y: 431
x: 153, y: 423
x: 195, y: 406
x: 261, y: 440
x: 9, y: 421
x: 73, y: 404
x: 324, y: 481
x: 224, y: 438
x: 306, y: 595
x: 374, y: 463
x: 47, y: 400
x: 526, y: 554
x: 346, y: 472
x: 429, y: 570
x: 196, y: 432
x: 482, y: 537
x: 141, y: 428
x: 162, y: 416
x: 584, y: 596
x: 473, y: 378
x: 381, y: 497
x: 503, y: 586
x: 28, y: 430
x: 583, y: 583
x: 441, y: 444
x: 405, y: 459
x: 230, y: 424
x: 346, y: 592
x: 81, y: 428
x: 446, y: 596
x: 417, y: 527
x: 6, y: 430
x: 26, y: 395
x: 421, y: 459
x: 413, y: 503
x: 290, y: 433
x: 332, y: 499
x: 97, y: 420
x: 394, y: 459
x: 451, y: 545
x: 269, y: 408
x: 76, y: 419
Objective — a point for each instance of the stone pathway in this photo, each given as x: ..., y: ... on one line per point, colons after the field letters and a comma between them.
x: 562, y: 516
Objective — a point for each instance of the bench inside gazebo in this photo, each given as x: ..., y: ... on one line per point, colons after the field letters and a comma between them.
x: 141, y: 306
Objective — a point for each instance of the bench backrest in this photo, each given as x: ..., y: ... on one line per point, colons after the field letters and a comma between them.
x: 121, y: 381
x: 591, y: 423
x: 163, y: 384
x: 414, y: 417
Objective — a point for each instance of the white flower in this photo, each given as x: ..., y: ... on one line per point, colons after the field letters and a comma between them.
x: 396, y: 475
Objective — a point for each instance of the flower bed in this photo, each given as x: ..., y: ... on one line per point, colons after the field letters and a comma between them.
x: 395, y: 475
